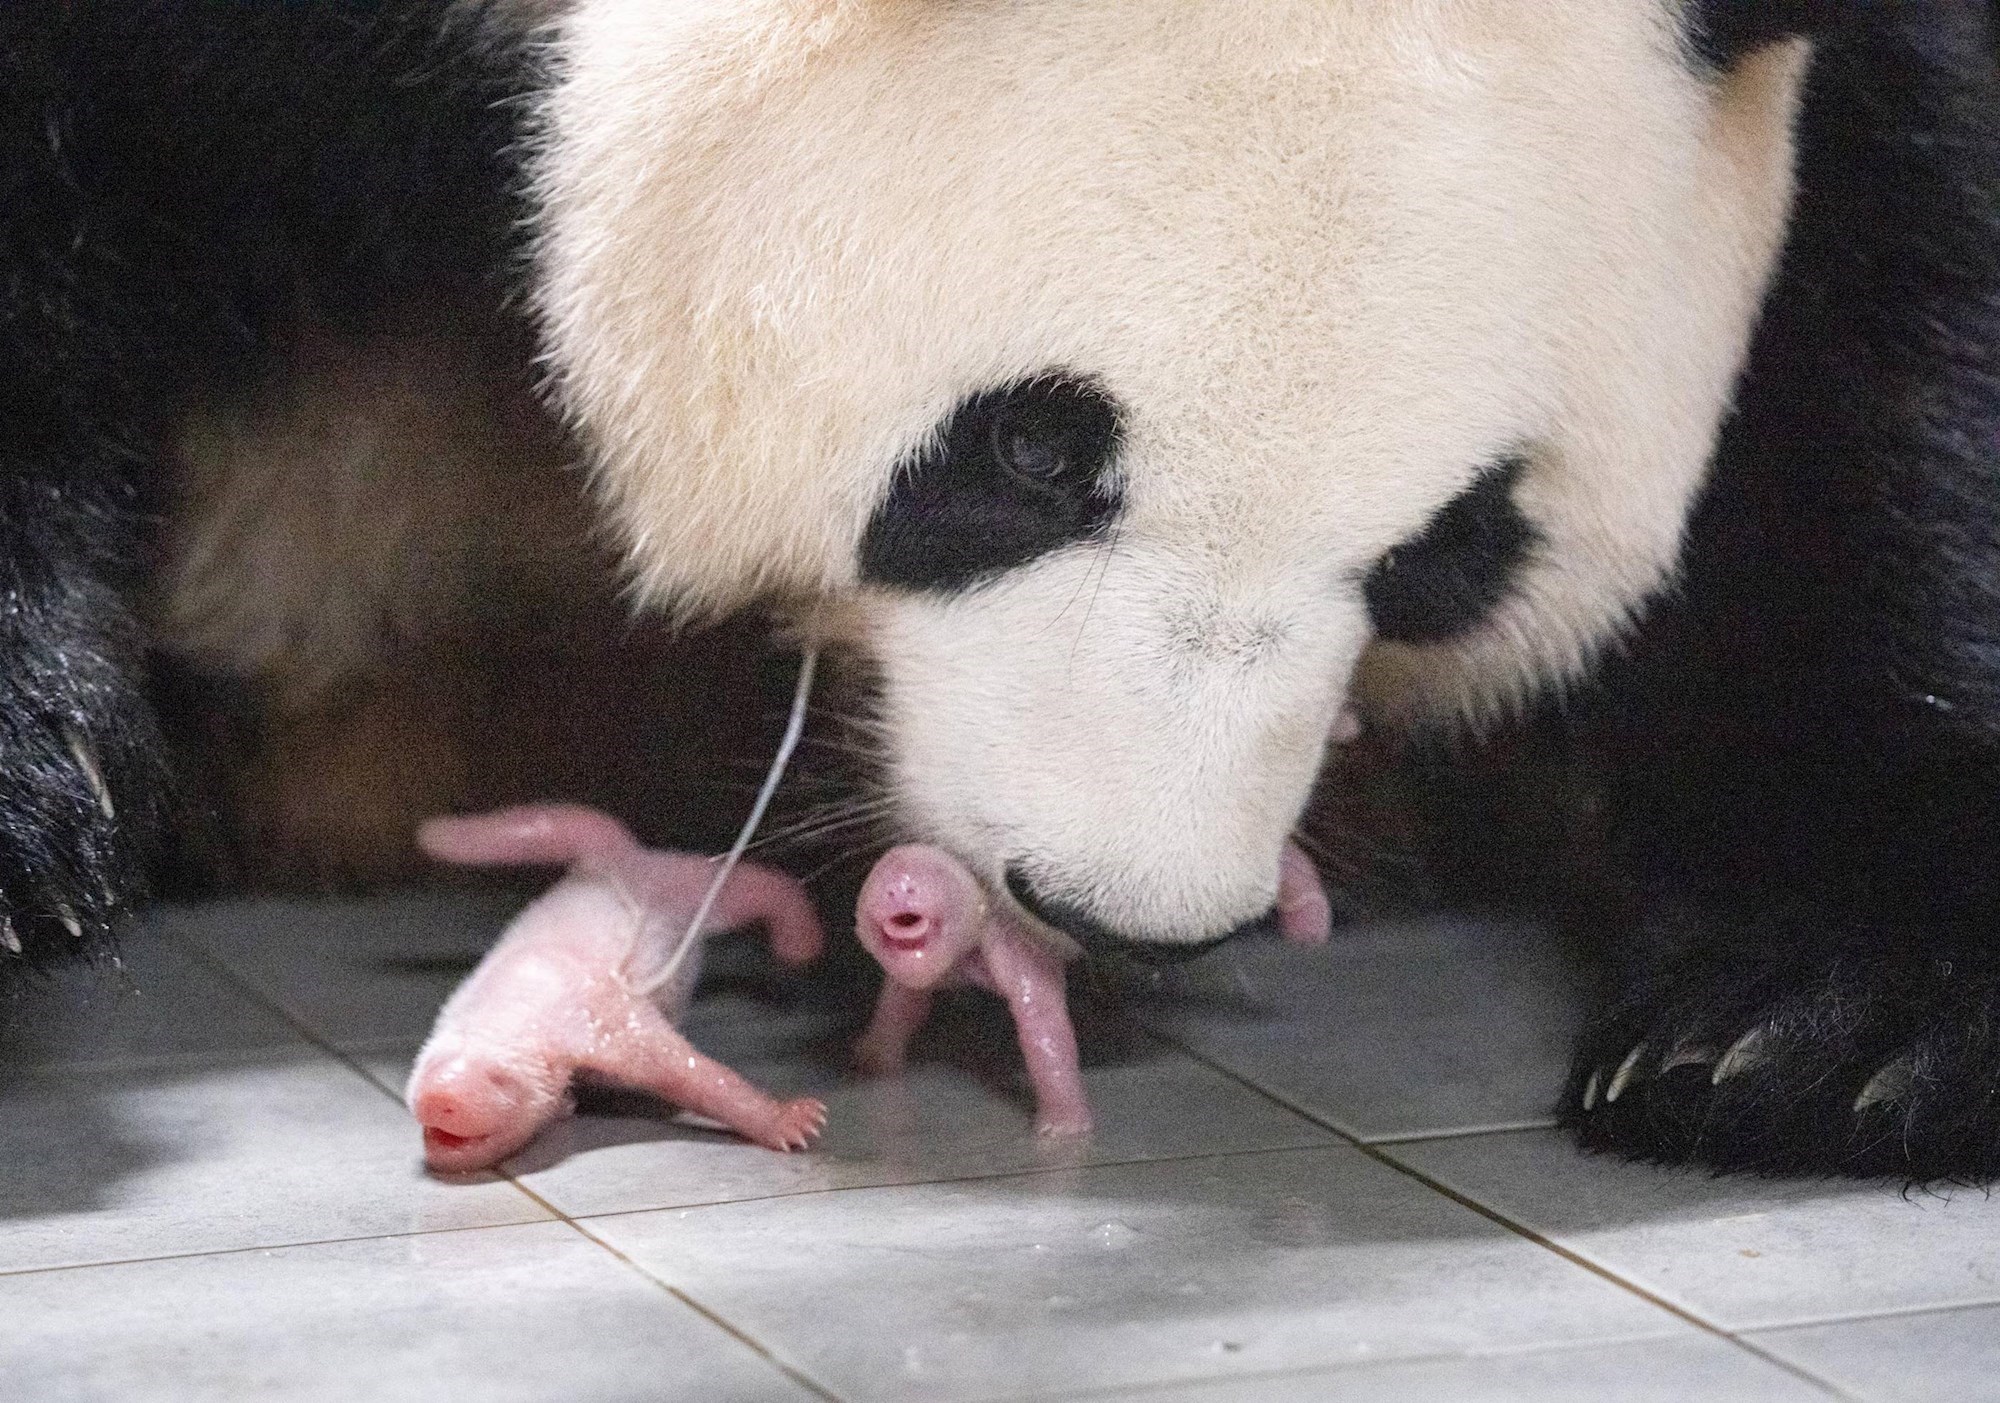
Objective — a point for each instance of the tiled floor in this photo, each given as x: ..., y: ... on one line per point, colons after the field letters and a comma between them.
x: 1318, y: 1175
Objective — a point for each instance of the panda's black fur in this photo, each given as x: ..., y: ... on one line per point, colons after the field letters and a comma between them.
x: 1799, y: 758
x: 183, y: 184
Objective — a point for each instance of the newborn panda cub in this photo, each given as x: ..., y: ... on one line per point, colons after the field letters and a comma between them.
x: 924, y: 916
x: 589, y: 982
x: 569, y: 991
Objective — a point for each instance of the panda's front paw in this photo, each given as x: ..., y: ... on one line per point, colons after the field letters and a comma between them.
x: 79, y: 803
x: 1865, y: 1064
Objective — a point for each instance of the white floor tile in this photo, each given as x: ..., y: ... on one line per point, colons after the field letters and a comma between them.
x: 1743, y: 1253
x: 504, y: 1315
x: 1206, y: 1246
x: 364, y: 974
x: 1936, y: 1357
x: 1691, y: 1368
x: 261, y: 1150
x: 1117, y: 1276
x: 357, y: 971
x: 1392, y: 1030
x: 935, y: 1122
x: 163, y: 1004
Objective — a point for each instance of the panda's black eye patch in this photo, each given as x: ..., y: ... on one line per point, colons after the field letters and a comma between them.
x: 1442, y: 582
x: 1015, y: 473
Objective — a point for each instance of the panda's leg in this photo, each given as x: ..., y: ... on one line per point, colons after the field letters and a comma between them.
x: 81, y: 772
x: 1813, y: 981
x: 1809, y: 788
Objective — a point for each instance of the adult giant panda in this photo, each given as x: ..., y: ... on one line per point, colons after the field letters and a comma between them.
x: 1140, y: 386
x: 1143, y: 387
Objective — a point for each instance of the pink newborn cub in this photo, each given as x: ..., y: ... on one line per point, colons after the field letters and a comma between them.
x: 928, y: 921
x: 565, y: 991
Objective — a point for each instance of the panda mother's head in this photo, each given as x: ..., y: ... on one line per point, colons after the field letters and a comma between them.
x: 1143, y: 383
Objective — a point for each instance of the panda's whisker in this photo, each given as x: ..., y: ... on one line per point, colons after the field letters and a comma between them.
x: 845, y: 806
x: 827, y: 819
x: 837, y: 861
x: 847, y: 748
x: 1240, y: 977
x: 816, y: 836
x: 806, y: 833
x: 1106, y: 549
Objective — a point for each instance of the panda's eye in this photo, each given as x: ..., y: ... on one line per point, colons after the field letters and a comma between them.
x: 1442, y: 582
x: 1042, y: 440
x: 1013, y: 474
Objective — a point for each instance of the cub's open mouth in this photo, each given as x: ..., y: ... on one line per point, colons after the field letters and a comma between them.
x: 907, y: 931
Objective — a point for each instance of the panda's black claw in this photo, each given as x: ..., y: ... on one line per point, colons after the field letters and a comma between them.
x: 1864, y: 1066
x: 1893, y: 1084
x: 81, y: 804
x: 1746, y: 1054
x: 1624, y: 1074
x: 92, y: 770
x: 1592, y: 1091
x: 1690, y: 1054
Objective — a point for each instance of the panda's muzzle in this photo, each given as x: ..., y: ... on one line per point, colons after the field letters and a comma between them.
x: 1099, y: 941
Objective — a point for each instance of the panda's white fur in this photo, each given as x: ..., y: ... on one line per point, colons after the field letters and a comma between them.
x: 1331, y: 257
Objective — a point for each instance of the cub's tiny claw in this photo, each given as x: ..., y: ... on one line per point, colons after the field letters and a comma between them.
x: 1063, y: 1127
x: 797, y: 1124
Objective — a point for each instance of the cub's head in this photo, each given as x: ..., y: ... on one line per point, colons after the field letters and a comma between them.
x: 1141, y: 385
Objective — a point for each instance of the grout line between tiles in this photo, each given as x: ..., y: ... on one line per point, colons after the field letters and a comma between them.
x: 1597, y: 1269
x: 1471, y: 1132
x: 1373, y: 1150
x: 1381, y: 1156
x: 271, y: 1004
x: 10, y: 1272
x: 354, y: 1064
x: 351, y: 1058
x: 721, y: 1322
x: 1017, y: 1172
x: 1334, y: 1373
x: 1862, y: 1317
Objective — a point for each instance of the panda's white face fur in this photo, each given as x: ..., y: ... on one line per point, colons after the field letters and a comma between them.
x: 1328, y: 261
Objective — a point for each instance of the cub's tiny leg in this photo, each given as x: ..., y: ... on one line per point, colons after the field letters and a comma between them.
x: 899, y: 1013
x: 1031, y: 980
x: 658, y: 1059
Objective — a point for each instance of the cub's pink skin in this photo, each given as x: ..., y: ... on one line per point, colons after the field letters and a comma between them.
x: 927, y: 920
x: 563, y: 994
x: 1305, y: 913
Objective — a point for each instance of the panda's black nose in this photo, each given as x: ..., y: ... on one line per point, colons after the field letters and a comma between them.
x: 1099, y: 940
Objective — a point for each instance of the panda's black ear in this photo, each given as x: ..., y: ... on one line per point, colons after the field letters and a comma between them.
x: 1723, y: 31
